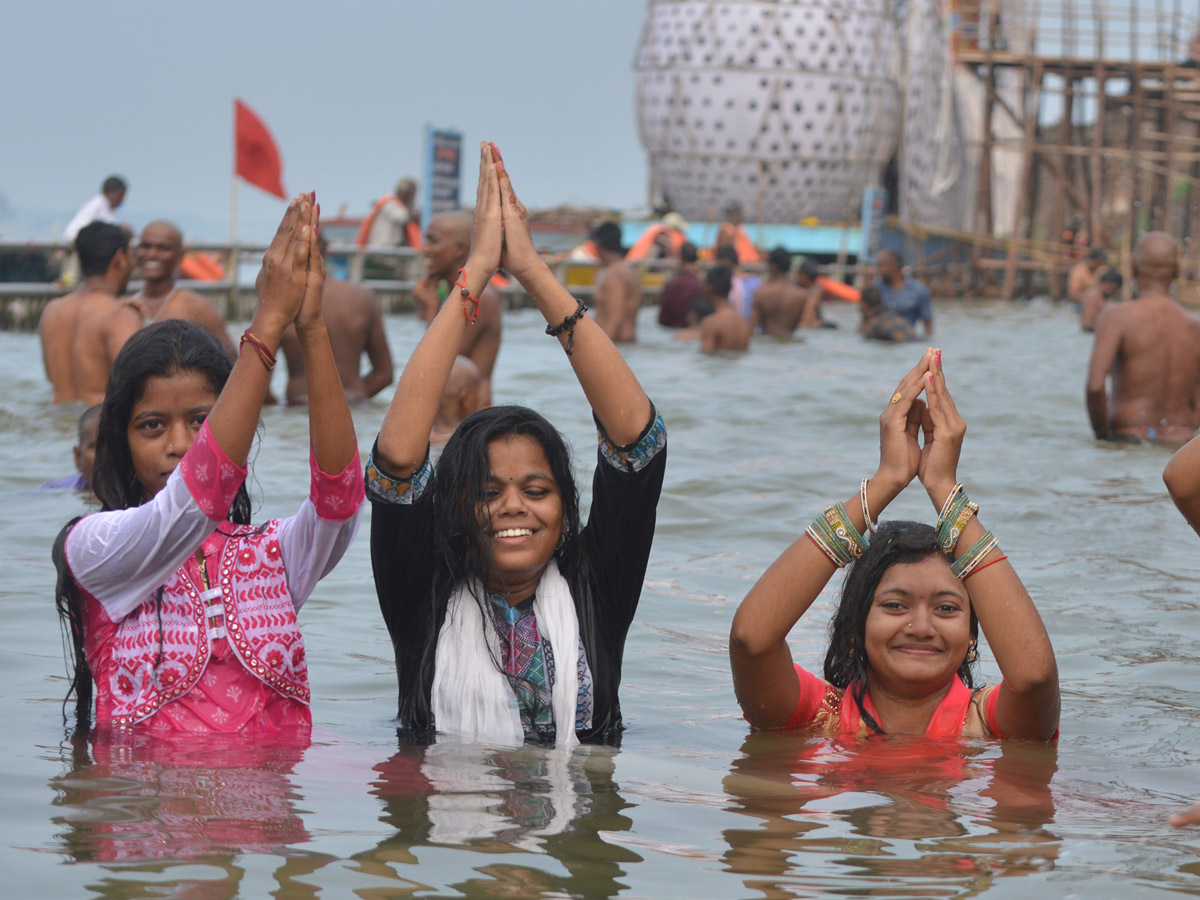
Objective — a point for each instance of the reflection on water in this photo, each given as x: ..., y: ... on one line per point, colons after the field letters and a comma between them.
x: 940, y: 817
x: 502, y: 801
x: 687, y: 808
x: 128, y: 799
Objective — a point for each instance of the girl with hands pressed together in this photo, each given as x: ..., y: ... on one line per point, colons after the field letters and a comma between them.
x: 903, y: 641
x: 180, y: 612
x: 507, y: 617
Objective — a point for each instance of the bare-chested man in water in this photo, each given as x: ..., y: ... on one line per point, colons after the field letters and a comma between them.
x: 159, y: 253
x: 82, y: 332
x: 779, y: 303
x: 724, y: 328
x: 1083, y: 274
x: 446, y: 246
x: 618, y: 287
x: 1151, y: 347
x: 354, y: 322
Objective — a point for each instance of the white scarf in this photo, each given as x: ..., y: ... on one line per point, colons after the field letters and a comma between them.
x: 472, y: 698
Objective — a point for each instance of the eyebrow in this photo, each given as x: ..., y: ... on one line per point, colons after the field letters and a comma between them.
x: 156, y: 412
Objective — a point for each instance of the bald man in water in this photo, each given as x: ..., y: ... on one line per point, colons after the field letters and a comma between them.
x: 445, y: 248
x: 83, y: 332
x: 159, y: 253
x: 1151, y: 347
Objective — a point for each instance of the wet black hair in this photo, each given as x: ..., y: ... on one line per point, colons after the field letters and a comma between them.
x: 846, y: 664
x: 810, y: 268
x: 460, y: 481
x: 112, y: 184
x: 1114, y: 276
x: 608, y: 236
x: 97, y: 243
x: 163, y: 348
x: 687, y: 252
x: 1098, y: 253
x: 781, y: 259
x: 727, y: 254
x: 720, y: 279
x: 160, y: 349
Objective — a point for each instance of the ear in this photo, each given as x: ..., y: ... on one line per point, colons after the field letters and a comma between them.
x: 78, y: 451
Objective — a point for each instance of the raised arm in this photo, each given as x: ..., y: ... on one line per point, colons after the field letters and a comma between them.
x: 611, y: 387
x: 1028, y: 702
x: 282, y: 283
x: 404, y: 435
x: 764, y: 678
x: 330, y: 426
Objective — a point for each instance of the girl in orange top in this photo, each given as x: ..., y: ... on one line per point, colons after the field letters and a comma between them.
x: 903, y: 640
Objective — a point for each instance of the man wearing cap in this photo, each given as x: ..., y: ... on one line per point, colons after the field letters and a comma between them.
x: 618, y: 289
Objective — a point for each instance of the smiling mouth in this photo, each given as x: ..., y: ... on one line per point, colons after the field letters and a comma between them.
x: 513, y: 532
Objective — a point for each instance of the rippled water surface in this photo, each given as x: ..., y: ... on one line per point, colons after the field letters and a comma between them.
x: 688, y: 807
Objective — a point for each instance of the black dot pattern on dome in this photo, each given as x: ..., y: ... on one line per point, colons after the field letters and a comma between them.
x: 792, y: 107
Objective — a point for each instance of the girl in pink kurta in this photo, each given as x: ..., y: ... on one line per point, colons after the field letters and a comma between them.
x: 181, y: 614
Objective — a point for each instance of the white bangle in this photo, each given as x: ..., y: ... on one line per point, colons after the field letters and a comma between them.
x: 872, y: 524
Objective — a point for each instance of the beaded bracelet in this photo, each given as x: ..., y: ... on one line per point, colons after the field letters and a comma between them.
x: 835, y: 535
x: 568, y: 325
x: 472, y: 315
x: 953, y: 520
x: 267, y: 357
x: 872, y: 524
x: 969, y: 561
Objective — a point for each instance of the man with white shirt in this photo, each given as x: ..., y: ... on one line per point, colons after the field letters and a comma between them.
x: 101, y: 208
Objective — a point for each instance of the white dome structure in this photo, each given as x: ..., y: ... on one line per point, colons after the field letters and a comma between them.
x: 789, y: 108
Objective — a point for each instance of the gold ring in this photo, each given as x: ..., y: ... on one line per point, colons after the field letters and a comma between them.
x: 896, y: 397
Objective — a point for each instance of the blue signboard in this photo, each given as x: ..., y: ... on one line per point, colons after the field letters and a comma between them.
x: 874, y: 209
x: 443, y: 152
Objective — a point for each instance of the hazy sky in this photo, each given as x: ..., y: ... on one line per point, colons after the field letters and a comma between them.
x: 146, y: 90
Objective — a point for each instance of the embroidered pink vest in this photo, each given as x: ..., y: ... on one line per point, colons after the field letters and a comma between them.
x: 260, y: 624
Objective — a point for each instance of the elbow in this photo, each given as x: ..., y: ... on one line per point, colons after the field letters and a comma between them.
x: 1176, y: 477
x: 747, y: 643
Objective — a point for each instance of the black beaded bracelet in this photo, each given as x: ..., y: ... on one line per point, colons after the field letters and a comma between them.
x: 568, y: 325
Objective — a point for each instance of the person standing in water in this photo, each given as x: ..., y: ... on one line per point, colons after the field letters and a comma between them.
x: 1151, y: 348
x: 904, y: 639
x: 181, y: 615
x: 508, y: 618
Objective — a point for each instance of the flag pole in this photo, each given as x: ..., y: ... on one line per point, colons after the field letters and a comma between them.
x: 231, y: 265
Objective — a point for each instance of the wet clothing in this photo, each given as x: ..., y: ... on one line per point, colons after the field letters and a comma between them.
x: 190, y: 620
x: 962, y: 712
x: 910, y: 299
x: 678, y: 294
x: 604, y: 567
x: 74, y: 482
x: 889, y: 326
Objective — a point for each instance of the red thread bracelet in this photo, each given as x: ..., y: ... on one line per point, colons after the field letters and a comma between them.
x: 471, y: 315
x: 264, y: 354
x: 990, y: 562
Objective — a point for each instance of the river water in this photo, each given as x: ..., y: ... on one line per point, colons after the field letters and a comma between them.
x: 688, y: 807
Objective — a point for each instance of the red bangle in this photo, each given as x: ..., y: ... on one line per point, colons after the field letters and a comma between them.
x: 472, y: 314
x: 267, y: 357
x: 990, y: 562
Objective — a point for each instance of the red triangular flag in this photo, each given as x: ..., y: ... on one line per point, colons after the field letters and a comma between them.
x: 257, y: 156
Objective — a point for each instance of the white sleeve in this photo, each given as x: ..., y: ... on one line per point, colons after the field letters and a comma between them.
x: 311, y: 546
x: 122, y: 557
